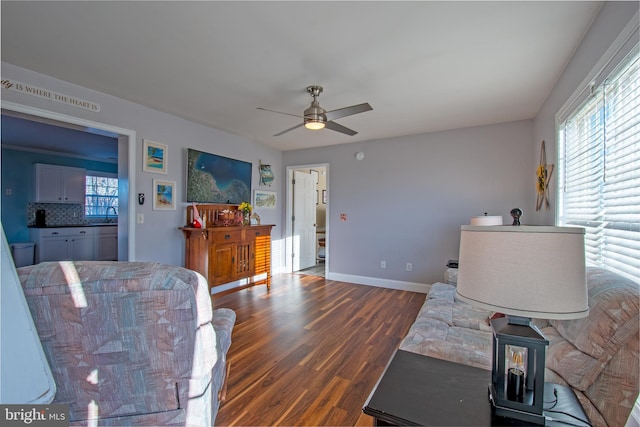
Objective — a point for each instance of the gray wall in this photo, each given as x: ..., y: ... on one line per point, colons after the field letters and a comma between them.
x: 405, y: 201
x: 159, y: 238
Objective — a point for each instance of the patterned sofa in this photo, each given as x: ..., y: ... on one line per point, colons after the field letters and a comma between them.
x: 596, y: 356
x: 130, y: 343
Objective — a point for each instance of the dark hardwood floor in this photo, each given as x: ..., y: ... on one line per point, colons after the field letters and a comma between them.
x: 309, y: 352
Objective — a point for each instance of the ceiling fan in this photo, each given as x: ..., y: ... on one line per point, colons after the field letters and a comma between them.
x: 315, y: 117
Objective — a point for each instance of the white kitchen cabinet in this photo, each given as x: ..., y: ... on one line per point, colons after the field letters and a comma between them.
x: 61, y: 244
x: 59, y: 184
x: 106, y: 243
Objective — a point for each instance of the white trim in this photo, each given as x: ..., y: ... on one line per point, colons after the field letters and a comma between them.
x: 422, y: 288
x: 130, y: 134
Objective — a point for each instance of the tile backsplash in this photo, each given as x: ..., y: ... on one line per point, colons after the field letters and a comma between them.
x: 62, y: 214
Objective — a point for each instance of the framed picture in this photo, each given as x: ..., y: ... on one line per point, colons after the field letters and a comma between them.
x: 217, y: 179
x: 266, y: 175
x: 264, y: 199
x: 154, y: 157
x: 324, y: 196
x: 164, y: 195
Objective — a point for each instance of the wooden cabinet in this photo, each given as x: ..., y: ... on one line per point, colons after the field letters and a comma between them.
x: 227, y: 254
x: 222, y: 268
x: 59, y: 184
x: 61, y: 244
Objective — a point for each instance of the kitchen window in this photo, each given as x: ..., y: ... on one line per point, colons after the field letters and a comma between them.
x: 101, y: 195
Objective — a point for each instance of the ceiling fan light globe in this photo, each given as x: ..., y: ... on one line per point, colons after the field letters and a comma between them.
x: 314, y: 125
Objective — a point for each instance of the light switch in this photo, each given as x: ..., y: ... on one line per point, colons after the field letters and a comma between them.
x: 140, y: 218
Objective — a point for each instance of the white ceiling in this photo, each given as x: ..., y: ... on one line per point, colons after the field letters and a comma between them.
x: 423, y: 66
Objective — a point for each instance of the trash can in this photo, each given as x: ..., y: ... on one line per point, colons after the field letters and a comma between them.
x: 23, y: 253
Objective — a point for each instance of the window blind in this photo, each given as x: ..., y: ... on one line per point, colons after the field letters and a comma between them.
x: 599, y: 170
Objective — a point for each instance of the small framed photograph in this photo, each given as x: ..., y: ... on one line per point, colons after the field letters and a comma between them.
x: 264, y: 199
x: 154, y: 157
x: 324, y: 197
x: 266, y: 175
x: 164, y: 195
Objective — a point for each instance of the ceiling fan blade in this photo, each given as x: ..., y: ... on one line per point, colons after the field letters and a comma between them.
x: 290, y: 129
x: 279, y: 112
x: 339, y: 128
x: 347, y: 111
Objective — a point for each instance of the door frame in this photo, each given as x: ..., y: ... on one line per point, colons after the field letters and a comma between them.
x: 289, y: 213
x: 126, y: 169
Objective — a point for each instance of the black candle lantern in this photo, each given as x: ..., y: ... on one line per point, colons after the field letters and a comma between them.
x: 517, y: 377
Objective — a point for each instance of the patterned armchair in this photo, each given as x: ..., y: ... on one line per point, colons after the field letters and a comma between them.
x: 130, y: 343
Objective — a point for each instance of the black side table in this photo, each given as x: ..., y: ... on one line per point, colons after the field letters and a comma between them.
x: 421, y: 390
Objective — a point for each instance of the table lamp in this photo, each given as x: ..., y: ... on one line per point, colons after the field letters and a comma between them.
x: 523, y: 272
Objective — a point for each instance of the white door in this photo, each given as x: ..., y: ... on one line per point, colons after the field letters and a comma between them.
x: 304, y: 221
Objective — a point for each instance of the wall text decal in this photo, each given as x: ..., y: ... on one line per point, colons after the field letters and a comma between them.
x: 27, y: 89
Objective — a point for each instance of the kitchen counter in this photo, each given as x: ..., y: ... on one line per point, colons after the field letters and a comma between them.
x: 96, y: 224
x: 97, y: 241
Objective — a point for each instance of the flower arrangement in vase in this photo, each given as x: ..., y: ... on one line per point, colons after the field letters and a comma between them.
x: 245, y: 208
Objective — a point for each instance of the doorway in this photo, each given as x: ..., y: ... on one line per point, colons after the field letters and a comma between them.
x: 126, y: 164
x: 307, y: 220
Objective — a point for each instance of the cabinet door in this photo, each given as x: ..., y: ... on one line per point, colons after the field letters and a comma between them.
x: 74, y: 185
x: 222, y: 263
x: 197, y: 252
x: 81, y: 248
x: 106, y: 248
x: 53, y: 249
x: 244, y: 260
x: 59, y: 184
x: 262, y: 253
x: 49, y: 184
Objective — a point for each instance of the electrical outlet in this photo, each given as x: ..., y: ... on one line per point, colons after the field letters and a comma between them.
x: 409, y: 266
x: 383, y: 264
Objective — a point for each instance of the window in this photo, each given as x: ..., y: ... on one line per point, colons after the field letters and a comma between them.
x: 101, y: 195
x: 599, y: 170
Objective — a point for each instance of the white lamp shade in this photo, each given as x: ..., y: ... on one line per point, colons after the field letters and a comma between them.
x: 486, y: 220
x: 527, y: 271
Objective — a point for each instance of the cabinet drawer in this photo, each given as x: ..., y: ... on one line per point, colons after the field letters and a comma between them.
x: 64, y: 232
x: 256, y: 231
x: 230, y: 236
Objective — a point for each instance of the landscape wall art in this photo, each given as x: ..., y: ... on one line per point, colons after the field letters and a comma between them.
x: 217, y: 179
